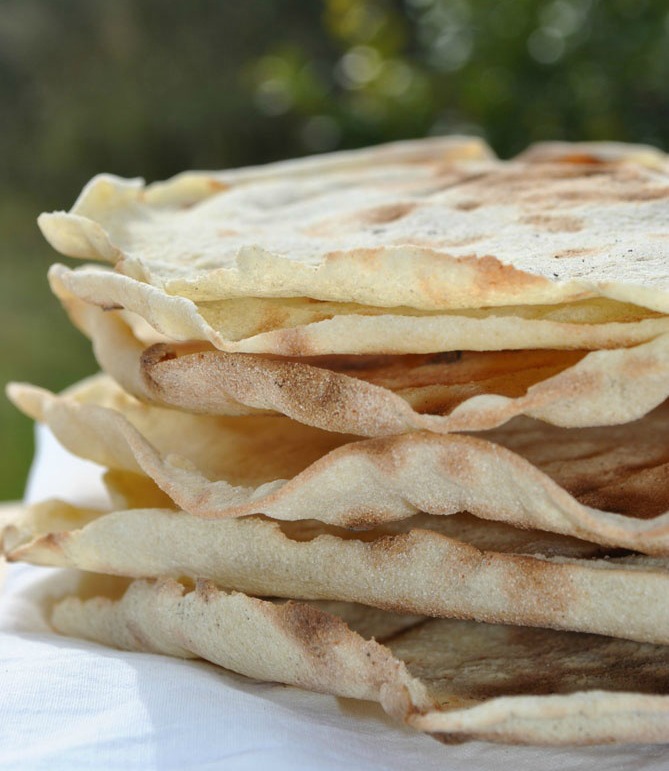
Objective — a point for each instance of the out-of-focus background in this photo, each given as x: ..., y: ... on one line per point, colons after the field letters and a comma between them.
x: 149, y: 88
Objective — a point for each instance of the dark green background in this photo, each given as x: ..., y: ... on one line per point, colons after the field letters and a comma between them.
x: 150, y: 88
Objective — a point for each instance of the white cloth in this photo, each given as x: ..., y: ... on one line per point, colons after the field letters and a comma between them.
x: 68, y: 704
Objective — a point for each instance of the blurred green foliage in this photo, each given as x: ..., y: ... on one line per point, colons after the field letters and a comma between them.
x: 149, y: 88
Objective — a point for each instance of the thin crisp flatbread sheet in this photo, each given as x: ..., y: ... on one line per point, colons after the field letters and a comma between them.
x: 606, y: 485
x: 455, y: 680
x: 454, y: 566
x: 379, y: 396
x: 431, y: 225
x: 307, y: 327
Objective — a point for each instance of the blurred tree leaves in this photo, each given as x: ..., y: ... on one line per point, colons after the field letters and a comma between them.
x: 515, y: 71
x: 149, y: 88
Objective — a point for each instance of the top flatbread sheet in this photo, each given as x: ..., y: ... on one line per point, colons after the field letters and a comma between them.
x: 432, y: 224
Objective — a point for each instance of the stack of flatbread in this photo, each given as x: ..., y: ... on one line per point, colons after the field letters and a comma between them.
x: 387, y: 424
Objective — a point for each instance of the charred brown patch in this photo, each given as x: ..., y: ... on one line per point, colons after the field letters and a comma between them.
x: 363, y: 518
x: 374, y: 217
x: 566, y: 253
x: 389, y: 452
x: 531, y: 577
x: 111, y: 307
x: 493, y: 272
x: 579, y: 158
x: 157, y: 354
x: 554, y: 224
x: 391, y: 546
x: 383, y: 214
x: 371, y: 255
x: 456, y: 463
x: 294, y: 342
x: 467, y: 205
x: 556, y: 184
x: 315, y: 631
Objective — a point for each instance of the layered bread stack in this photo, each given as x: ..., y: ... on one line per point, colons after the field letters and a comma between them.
x: 388, y: 424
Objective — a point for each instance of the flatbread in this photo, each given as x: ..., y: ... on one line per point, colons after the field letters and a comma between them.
x: 594, y: 153
x: 455, y: 680
x: 607, y: 485
x: 379, y: 396
x: 428, y: 225
x: 455, y: 566
x: 306, y: 327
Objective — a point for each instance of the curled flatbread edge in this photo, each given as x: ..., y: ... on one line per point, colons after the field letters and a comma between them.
x: 301, y: 645
x: 594, y: 391
x: 385, y: 479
